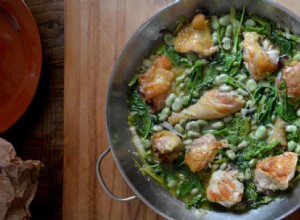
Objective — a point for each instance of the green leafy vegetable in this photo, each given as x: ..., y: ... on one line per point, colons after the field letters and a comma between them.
x: 236, y: 131
x: 274, y: 102
x: 285, y: 45
x: 264, y: 26
x: 292, y: 37
x: 229, y: 63
x: 294, y: 136
x: 254, y: 198
x: 231, y: 81
x: 195, y: 201
x: 285, y: 109
x: 155, y: 171
x: 133, y: 81
x: 208, y: 77
x: 236, y: 27
x: 192, y: 181
x: 259, y: 149
x: 241, y: 162
x: 267, y: 103
x: 184, y: 188
x: 139, y: 113
x: 176, y: 58
x: 250, y: 192
x: 220, y: 35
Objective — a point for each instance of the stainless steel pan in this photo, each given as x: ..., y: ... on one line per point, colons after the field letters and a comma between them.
x: 149, y: 191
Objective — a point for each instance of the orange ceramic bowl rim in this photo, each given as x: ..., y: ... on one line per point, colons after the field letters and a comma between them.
x: 21, y: 79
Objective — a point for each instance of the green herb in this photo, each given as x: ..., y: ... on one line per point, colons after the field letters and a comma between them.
x: 236, y: 27
x: 184, y: 188
x: 195, y: 201
x: 250, y: 193
x: 293, y: 37
x: 193, y: 81
x: 231, y: 81
x: 254, y: 198
x: 220, y: 35
x: 263, y: 27
x: 133, y: 81
x: 294, y: 136
x: 182, y: 21
x: 139, y: 113
x: 152, y: 170
x: 160, y: 50
x: 220, y: 161
x: 274, y: 102
x: 209, y: 75
x: 192, y: 181
x: 241, y: 162
x: 230, y: 63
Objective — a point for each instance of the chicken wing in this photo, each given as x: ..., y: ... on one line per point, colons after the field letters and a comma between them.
x: 166, y: 146
x: 224, y: 188
x: 275, y: 172
x: 259, y: 61
x: 213, y: 104
x: 195, y: 37
x: 202, y: 151
x: 291, y: 74
x: 156, y: 83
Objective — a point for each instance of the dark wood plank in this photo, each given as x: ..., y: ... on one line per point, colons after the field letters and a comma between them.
x: 39, y: 133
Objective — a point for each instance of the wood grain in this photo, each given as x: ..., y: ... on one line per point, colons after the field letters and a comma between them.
x: 95, y: 32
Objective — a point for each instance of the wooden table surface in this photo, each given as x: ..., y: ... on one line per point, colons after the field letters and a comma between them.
x: 95, y: 33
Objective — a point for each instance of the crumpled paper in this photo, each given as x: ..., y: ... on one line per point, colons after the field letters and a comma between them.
x: 18, y: 183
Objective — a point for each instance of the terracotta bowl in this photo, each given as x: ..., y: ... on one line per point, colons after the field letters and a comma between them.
x: 20, y: 60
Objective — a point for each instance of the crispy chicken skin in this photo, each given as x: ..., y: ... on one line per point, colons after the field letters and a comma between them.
x: 278, y: 133
x: 202, y: 151
x: 291, y: 74
x: 195, y: 37
x: 166, y: 146
x: 274, y: 173
x: 212, y: 105
x: 156, y: 83
x: 259, y: 61
x: 224, y: 188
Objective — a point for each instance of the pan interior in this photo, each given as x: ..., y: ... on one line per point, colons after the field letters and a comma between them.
x: 120, y: 137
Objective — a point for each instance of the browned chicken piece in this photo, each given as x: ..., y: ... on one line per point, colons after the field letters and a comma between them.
x: 224, y: 188
x: 260, y: 62
x: 213, y: 104
x: 274, y: 173
x: 166, y: 146
x: 156, y: 83
x: 195, y: 37
x: 291, y: 74
x: 202, y: 151
x: 278, y: 133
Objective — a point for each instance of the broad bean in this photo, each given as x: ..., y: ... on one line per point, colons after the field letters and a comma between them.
x: 215, y: 22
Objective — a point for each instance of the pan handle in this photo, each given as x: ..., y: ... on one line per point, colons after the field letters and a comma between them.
x: 98, y: 171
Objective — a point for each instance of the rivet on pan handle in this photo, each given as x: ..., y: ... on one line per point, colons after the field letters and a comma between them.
x: 98, y: 171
